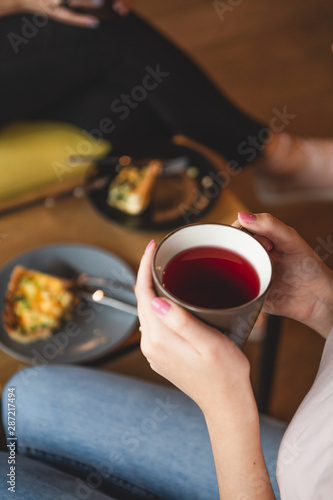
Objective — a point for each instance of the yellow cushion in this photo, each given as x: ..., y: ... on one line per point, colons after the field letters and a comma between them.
x: 34, y: 155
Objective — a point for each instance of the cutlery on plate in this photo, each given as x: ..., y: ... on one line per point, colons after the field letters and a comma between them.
x: 98, y: 297
x: 169, y: 167
x: 96, y: 289
x: 81, y: 279
x: 84, y: 279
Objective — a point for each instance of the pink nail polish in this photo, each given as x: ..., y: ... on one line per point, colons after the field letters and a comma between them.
x: 160, y: 306
x: 94, y: 23
x: 270, y: 246
x: 246, y: 217
x: 149, y: 245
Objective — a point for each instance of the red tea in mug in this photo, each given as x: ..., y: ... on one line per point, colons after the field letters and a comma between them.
x: 211, y: 277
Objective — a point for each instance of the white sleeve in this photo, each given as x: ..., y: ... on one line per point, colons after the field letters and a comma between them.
x: 305, y: 460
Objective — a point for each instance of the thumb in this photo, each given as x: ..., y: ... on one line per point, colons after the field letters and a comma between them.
x: 284, y: 238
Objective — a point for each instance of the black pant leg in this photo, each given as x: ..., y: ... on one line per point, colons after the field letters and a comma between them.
x: 61, y: 63
x: 185, y: 98
x: 68, y: 74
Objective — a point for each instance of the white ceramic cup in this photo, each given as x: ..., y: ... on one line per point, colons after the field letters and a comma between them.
x: 235, y: 322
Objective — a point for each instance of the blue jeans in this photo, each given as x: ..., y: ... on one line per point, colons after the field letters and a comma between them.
x: 87, y: 434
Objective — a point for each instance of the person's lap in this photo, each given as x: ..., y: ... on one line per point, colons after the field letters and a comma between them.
x: 135, y: 75
x: 117, y: 433
x: 38, y: 481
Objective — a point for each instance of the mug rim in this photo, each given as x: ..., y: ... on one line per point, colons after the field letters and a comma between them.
x: 191, y: 307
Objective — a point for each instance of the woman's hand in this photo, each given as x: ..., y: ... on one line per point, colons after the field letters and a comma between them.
x: 302, y: 286
x: 56, y: 10
x: 199, y: 360
x: 214, y: 372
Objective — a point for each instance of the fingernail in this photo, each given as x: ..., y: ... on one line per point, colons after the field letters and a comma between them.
x: 246, y: 217
x: 149, y: 245
x: 160, y: 306
x: 270, y: 246
x: 94, y: 24
x: 120, y: 9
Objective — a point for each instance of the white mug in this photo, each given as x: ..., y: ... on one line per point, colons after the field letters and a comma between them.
x: 235, y: 322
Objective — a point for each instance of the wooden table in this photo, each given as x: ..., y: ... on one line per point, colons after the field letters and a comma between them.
x: 75, y: 220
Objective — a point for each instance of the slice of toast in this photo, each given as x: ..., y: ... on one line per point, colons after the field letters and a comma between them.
x: 130, y: 191
x: 36, y: 304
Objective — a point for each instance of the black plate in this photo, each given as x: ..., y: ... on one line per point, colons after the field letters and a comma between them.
x: 177, y: 200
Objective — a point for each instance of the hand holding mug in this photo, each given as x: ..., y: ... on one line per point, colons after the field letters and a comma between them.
x: 302, y: 287
x: 193, y: 356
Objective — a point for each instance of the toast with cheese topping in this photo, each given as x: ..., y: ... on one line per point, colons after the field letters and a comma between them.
x: 130, y: 191
x: 36, y: 304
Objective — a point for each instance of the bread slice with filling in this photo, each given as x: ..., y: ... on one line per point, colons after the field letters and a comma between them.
x: 130, y: 191
x: 36, y: 304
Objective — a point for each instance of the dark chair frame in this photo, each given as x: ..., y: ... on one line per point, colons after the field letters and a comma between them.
x: 269, y: 352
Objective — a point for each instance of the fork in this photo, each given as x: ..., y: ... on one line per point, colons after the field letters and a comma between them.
x: 93, y: 288
x: 84, y: 279
x: 98, y: 297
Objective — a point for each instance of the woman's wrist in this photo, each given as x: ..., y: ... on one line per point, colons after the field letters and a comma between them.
x: 322, y: 316
x: 234, y: 432
x: 232, y: 409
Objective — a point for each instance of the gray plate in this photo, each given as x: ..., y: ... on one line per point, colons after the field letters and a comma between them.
x: 95, y: 330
